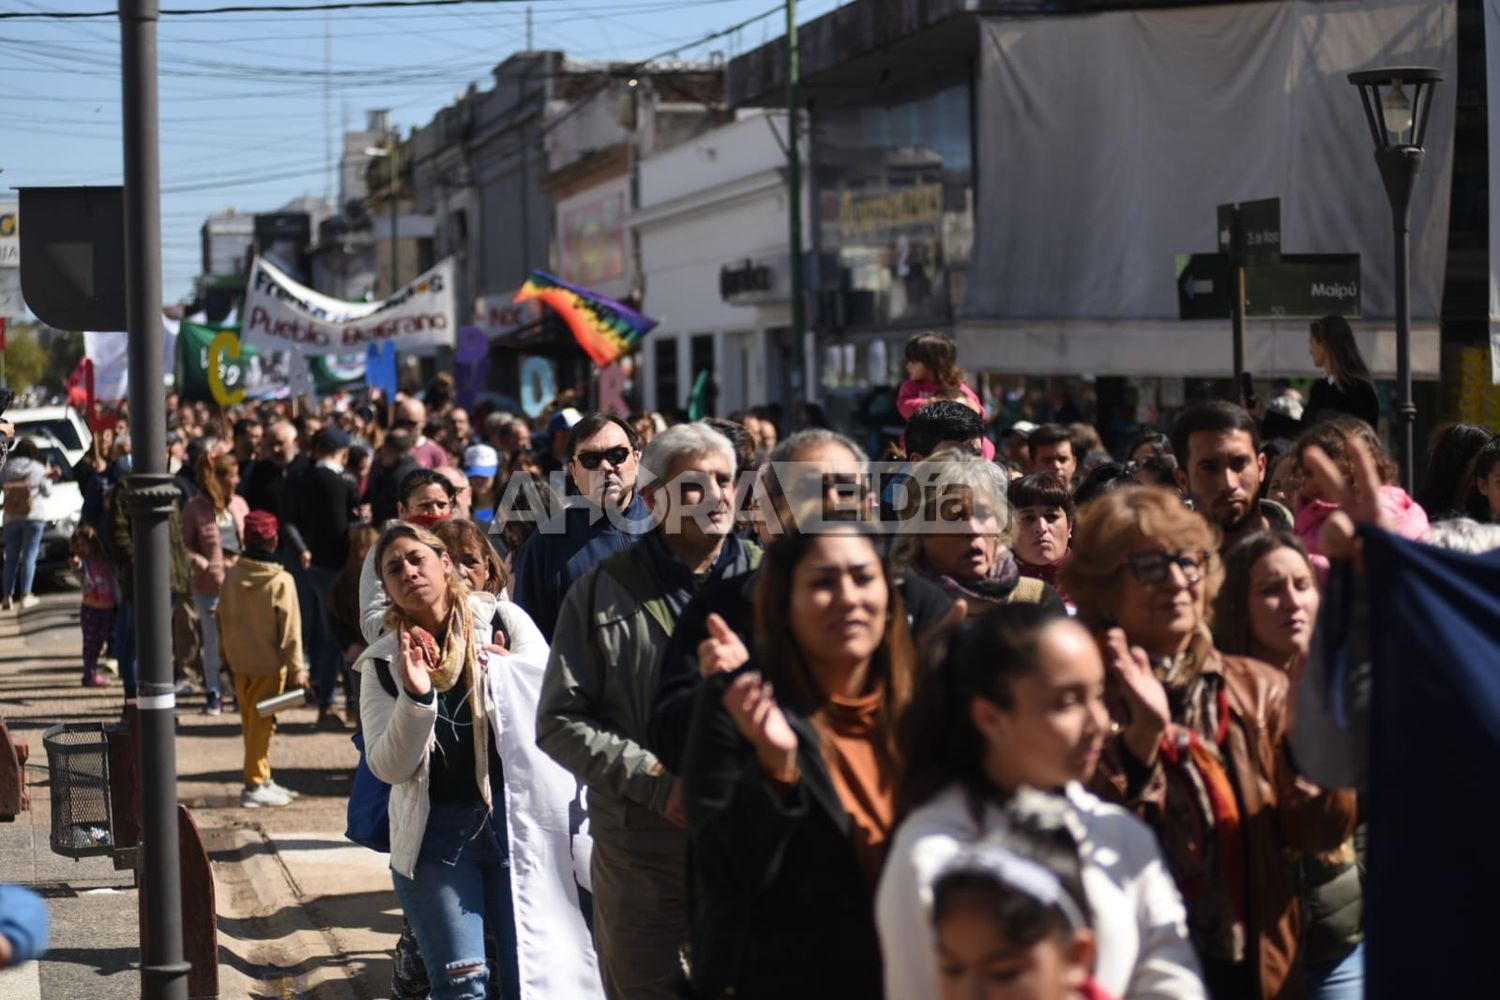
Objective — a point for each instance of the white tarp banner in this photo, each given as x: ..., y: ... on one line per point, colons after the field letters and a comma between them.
x: 550, y: 848
x: 1105, y: 143
x: 110, y: 353
x: 282, y: 314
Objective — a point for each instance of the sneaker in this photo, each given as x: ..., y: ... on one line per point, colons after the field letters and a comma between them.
x: 329, y: 718
x: 264, y: 794
x: 6, y: 605
x: 215, y: 706
x: 95, y: 680
x: 271, y: 783
x: 30, y: 601
x: 110, y: 664
x: 185, y: 687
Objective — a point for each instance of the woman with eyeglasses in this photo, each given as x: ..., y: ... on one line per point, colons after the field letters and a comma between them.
x: 1201, y: 753
x: 213, y: 529
x: 957, y: 530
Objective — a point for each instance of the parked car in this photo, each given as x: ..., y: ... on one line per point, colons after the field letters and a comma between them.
x: 54, y: 426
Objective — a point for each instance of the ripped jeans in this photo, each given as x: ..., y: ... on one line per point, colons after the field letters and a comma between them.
x: 461, y: 895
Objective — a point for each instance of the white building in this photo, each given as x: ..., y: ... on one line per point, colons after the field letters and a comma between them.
x: 712, y: 227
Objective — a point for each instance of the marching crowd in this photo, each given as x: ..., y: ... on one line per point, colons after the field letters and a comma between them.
x: 1005, y: 717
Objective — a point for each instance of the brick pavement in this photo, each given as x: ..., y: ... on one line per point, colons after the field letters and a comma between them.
x: 302, y: 913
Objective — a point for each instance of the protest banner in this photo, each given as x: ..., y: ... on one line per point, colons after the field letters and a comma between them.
x: 281, y: 314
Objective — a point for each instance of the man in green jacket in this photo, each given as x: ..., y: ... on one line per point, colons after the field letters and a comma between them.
x: 596, y: 700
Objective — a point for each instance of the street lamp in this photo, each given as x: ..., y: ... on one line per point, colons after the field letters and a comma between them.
x: 392, y: 191
x: 1398, y: 109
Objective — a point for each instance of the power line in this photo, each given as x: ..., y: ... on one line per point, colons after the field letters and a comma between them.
x: 82, y: 15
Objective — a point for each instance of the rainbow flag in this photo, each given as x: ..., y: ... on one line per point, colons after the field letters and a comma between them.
x: 604, y: 328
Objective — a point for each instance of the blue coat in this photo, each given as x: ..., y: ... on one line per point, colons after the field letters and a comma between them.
x: 551, y: 559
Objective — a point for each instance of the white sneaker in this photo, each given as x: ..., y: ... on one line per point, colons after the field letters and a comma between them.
x: 271, y: 783
x: 110, y: 664
x: 264, y: 794
x: 30, y: 601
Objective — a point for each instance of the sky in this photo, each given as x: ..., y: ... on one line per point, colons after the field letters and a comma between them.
x: 249, y: 100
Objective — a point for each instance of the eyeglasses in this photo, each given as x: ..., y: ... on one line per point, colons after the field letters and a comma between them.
x: 1152, y: 567
x: 591, y: 460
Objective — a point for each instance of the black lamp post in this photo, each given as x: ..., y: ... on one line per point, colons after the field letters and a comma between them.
x: 1398, y: 107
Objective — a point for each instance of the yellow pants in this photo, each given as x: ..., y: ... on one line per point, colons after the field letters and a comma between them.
x: 257, y: 730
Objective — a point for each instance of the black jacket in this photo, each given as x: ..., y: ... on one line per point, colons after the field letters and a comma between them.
x: 268, y: 491
x: 382, y: 493
x: 781, y: 908
x: 734, y: 601
x: 320, y: 505
x: 1328, y: 400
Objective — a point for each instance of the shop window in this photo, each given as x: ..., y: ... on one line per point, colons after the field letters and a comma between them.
x: 667, y: 394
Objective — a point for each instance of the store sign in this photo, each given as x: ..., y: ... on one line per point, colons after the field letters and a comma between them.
x: 499, y: 316
x: 591, y: 235
x: 881, y: 215
x: 10, y: 235
x: 752, y: 282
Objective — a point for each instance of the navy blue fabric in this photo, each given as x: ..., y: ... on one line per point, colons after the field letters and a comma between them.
x: 1434, y: 764
x: 368, y: 816
x: 551, y: 560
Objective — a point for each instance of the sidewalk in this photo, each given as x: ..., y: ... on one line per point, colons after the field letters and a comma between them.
x: 302, y: 912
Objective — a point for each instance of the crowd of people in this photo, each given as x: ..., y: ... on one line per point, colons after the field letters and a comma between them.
x: 1010, y: 716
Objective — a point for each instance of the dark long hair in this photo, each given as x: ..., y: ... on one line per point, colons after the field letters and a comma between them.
x: 1449, y: 453
x: 1346, y: 365
x: 776, y: 652
x: 939, y: 354
x: 1232, y: 632
x: 1485, y: 460
x: 981, y: 659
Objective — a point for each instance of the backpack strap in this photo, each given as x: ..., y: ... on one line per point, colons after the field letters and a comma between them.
x: 383, y: 674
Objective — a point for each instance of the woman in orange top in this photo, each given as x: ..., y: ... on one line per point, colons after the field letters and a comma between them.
x: 790, y: 778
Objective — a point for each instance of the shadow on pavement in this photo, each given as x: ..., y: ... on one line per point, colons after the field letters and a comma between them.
x: 104, y: 961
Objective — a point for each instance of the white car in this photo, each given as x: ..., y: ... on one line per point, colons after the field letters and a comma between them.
x: 60, y: 427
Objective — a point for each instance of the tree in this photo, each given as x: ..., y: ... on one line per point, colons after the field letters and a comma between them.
x: 26, y: 363
x: 64, y: 351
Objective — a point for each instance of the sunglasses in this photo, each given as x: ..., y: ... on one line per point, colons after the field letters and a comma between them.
x: 1153, y: 567
x: 591, y: 460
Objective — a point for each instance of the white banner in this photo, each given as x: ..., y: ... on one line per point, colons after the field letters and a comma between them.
x: 281, y: 313
x: 110, y: 353
x: 546, y: 815
x: 10, y: 235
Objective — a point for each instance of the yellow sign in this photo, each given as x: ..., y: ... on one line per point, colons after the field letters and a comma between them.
x: 226, y: 345
x: 891, y: 211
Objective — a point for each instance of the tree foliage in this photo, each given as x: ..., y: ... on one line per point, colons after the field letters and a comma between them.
x: 26, y: 362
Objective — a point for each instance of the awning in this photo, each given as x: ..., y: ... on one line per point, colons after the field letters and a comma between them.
x: 1105, y: 143
x: 1174, y: 348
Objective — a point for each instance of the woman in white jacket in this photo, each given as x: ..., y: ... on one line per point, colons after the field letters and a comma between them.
x: 1018, y: 702
x: 424, y: 711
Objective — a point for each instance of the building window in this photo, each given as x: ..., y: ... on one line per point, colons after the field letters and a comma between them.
x: 666, y: 374
x: 705, y: 390
x: 895, y: 196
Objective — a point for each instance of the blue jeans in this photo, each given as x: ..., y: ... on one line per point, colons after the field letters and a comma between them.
x: 1340, y: 980
x: 461, y: 893
x: 23, y: 540
x: 208, y: 628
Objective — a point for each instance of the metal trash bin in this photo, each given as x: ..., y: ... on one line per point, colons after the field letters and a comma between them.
x: 78, y: 763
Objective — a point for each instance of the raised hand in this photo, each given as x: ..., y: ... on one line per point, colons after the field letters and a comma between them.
x: 751, y: 702
x: 413, y: 665
x: 1359, y: 502
x: 722, y: 651
x: 1150, y: 713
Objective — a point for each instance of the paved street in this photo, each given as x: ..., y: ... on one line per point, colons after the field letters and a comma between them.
x: 302, y: 912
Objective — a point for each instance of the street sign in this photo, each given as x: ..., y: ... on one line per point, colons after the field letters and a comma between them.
x: 1304, y: 286
x: 1260, y: 231
x: 1203, y: 286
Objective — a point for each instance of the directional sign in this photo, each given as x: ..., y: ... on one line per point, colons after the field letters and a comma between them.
x: 1304, y: 286
x: 1203, y: 287
x: 1260, y: 231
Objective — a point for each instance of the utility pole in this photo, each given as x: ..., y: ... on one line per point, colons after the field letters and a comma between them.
x: 150, y: 498
x: 794, y: 202
x: 394, y: 161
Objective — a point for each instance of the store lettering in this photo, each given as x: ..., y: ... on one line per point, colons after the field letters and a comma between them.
x: 866, y: 214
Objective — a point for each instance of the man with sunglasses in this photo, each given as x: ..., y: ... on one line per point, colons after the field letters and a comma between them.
x: 603, y: 457
x: 1221, y: 469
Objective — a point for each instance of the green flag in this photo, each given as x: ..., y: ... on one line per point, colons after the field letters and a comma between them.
x: 193, y: 342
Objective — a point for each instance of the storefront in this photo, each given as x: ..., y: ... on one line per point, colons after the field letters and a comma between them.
x: 712, y: 230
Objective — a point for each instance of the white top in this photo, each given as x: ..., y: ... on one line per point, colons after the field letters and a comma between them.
x: 1144, y: 950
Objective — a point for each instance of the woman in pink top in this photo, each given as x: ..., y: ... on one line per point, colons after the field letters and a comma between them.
x: 213, y: 532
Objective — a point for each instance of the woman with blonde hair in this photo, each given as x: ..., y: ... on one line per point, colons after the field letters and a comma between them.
x: 213, y: 531
x: 1201, y: 752
x: 425, y: 716
x: 957, y: 529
